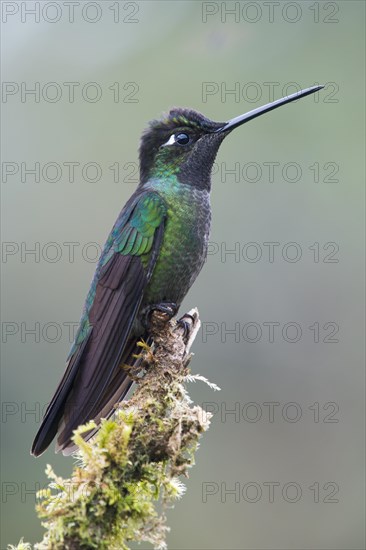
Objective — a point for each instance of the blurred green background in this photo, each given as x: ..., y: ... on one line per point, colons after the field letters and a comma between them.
x: 163, y: 54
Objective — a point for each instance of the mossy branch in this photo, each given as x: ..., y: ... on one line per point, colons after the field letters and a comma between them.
x: 135, y: 460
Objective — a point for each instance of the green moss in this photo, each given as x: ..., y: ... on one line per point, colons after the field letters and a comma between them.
x: 133, y: 462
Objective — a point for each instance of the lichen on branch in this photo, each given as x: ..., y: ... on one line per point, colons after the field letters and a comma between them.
x: 128, y: 473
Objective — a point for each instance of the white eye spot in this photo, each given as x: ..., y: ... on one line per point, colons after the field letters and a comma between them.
x: 170, y: 141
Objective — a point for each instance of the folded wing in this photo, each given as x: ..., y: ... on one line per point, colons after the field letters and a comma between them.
x: 94, y: 380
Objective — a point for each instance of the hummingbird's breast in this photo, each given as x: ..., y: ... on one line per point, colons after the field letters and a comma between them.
x: 184, y: 248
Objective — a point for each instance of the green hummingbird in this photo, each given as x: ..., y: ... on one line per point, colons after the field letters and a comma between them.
x: 155, y: 251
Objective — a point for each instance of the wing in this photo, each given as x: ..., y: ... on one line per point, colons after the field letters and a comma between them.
x: 93, y: 376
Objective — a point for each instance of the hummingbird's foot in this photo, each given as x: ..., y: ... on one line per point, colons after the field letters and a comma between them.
x: 167, y: 310
x: 186, y: 322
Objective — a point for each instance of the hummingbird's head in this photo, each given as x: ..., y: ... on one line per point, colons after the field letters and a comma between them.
x: 184, y: 143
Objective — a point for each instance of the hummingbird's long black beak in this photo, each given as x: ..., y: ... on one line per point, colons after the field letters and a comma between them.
x: 241, y: 119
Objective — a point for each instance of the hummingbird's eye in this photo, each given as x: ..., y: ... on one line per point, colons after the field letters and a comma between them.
x: 182, y: 139
x: 177, y: 139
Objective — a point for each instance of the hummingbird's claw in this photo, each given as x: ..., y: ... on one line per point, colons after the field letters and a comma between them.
x: 185, y: 323
x: 166, y: 311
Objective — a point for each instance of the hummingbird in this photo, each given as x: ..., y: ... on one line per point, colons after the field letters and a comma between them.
x: 151, y: 258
